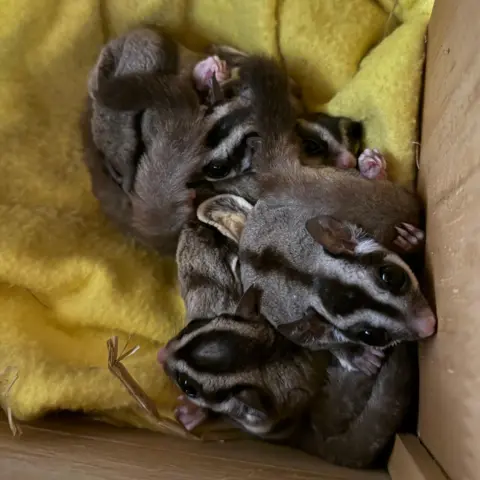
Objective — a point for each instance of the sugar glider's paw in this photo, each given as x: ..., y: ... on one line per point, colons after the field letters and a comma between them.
x: 370, y: 361
x: 409, y: 239
x: 367, y: 360
x: 204, y: 70
x: 189, y: 414
x: 372, y: 164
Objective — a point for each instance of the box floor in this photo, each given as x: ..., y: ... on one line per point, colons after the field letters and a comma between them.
x: 86, y: 450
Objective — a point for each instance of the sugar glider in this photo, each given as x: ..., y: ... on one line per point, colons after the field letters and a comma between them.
x: 143, y: 133
x: 327, y: 283
x: 242, y: 368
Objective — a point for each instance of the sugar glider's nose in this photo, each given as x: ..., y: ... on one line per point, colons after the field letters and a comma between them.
x: 345, y: 159
x: 424, y: 322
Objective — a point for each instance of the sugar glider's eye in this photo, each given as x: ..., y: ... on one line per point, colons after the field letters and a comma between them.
x: 217, y: 170
x: 393, y: 278
x: 375, y: 337
x: 314, y: 146
x: 186, y: 386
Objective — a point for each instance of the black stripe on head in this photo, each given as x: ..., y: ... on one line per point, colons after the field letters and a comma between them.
x: 271, y: 261
x: 192, y: 326
x: 342, y: 299
x: 222, y: 352
x: 224, y: 125
x: 332, y: 124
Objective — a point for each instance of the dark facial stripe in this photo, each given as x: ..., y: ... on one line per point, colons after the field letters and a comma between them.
x: 270, y: 261
x: 192, y: 326
x: 224, y: 125
x: 223, y: 351
x: 343, y: 299
x: 338, y: 298
x: 332, y: 124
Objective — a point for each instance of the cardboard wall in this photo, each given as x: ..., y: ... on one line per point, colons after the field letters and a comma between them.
x: 449, y: 423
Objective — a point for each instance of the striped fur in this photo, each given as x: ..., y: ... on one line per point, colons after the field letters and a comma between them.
x: 239, y: 366
x: 326, y: 284
x: 338, y: 271
x: 261, y: 110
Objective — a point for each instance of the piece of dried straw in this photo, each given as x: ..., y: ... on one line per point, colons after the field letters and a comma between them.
x: 8, y: 377
x: 147, y: 405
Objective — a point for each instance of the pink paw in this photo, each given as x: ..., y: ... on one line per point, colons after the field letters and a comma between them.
x: 370, y: 361
x: 410, y: 239
x: 204, y: 70
x: 189, y: 414
x: 372, y: 164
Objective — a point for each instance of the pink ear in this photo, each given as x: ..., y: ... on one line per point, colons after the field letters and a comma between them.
x: 334, y: 236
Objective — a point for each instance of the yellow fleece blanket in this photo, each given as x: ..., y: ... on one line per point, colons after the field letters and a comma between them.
x: 69, y: 281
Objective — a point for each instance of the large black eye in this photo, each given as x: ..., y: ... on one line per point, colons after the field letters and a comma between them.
x: 314, y: 146
x: 187, y: 388
x: 394, y: 278
x: 375, y: 337
x: 217, y: 169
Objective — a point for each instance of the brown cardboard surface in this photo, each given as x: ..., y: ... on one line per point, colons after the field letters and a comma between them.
x: 83, y: 450
x: 410, y: 460
x: 449, y: 423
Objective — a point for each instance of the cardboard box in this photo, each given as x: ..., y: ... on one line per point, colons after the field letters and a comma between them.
x: 448, y: 442
x: 449, y: 181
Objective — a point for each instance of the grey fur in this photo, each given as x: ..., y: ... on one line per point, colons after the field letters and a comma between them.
x: 355, y: 417
x: 267, y: 380
x: 292, y: 279
x: 279, y: 391
x: 207, y: 271
x: 143, y: 132
x: 332, y: 268
x: 207, y: 257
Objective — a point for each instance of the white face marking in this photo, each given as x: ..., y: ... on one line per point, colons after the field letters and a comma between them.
x: 367, y: 246
x: 333, y: 145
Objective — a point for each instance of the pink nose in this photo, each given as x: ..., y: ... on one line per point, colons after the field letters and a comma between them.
x: 162, y: 356
x: 425, y: 323
x: 345, y: 160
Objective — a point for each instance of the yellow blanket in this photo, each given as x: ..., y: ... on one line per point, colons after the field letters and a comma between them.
x: 69, y: 281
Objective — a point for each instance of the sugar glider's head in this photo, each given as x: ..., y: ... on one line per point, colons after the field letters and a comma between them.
x: 329, y: 140
x: 238, y: 366
x: 368, y: 293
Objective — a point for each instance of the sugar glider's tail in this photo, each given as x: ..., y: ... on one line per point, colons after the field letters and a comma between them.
x: 365, y: 436
x: 275, y: 115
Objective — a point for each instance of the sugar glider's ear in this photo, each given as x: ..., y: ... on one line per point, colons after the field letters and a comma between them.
x: 124, y: 74
x: 336, y: 237
x: 249, y: 305
x: 252, y: 403
x: 227, y: 213
x: 233, y: 57
x: 310, y: 331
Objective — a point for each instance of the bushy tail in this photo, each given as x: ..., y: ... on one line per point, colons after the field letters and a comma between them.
x: 367, y: 436
x: 275, y: 114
